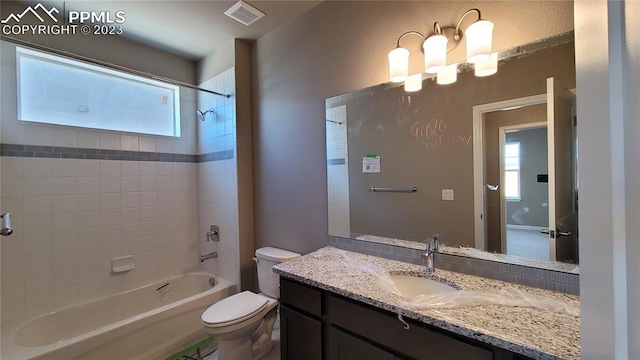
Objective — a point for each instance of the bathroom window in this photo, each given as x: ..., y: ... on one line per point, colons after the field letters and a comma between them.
x: 512, y: 171
x: 60, y: 91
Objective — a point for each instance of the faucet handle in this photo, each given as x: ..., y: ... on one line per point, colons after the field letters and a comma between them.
x: 214, y: 233
x: 435, y: 239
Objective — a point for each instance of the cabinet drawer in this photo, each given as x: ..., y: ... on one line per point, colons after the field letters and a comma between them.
x: 301, y: 297
x: 418, y: 342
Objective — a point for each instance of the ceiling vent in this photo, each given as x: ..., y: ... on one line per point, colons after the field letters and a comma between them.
x: 244, y: 13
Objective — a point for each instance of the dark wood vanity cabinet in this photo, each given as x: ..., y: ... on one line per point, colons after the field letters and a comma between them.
x: 300, y: 321
x: 317, y: 324
x: 344, y: 346
x: 300, y: 335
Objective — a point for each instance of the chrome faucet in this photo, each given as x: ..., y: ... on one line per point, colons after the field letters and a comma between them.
x: 208, y: 256
x: 431, y: 248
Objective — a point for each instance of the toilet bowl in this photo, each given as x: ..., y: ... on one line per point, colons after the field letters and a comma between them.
x: 243, y: 323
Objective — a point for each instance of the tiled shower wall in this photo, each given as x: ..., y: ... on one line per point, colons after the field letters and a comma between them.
x: 338, y: 172
x: 217, y: 179
x: 80, y: 197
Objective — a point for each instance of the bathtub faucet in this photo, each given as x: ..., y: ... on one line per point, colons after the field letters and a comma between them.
x: 208, y: 256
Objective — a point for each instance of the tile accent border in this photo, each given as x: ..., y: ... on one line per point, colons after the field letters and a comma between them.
x: 215, y: 156
x: 518, y: 274
x: 336, y: 161
x: 59, y: 152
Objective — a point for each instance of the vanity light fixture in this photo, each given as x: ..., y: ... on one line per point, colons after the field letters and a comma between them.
x: 413, y: 83
x: 448, y: 75
x: 479, y: 37
x: 398, y: 64
x: 486, y: 67
x: 435, y: 51
x: 399, y: 59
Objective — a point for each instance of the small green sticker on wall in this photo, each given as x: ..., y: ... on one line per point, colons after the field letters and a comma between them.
x: 371, y: 163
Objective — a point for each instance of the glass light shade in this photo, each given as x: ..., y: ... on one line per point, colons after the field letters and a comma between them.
x: 487, y: 67
x: 479, y: 38
x: 435, y: 53
x: 448, y: 75
x: 398, y: 64
x: 413, y: 83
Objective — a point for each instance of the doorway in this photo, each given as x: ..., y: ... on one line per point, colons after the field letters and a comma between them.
x: 515, y: 170
x: 524, y: 203
x: 558, y: 104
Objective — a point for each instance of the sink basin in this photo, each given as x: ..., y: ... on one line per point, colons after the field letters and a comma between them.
x: 412, y: 286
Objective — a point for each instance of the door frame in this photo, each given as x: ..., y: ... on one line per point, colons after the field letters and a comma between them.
x: 503, y: 200
x: 479, y: 189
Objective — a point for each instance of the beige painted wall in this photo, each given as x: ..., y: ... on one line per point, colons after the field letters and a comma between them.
x: 335, y: 48
x: 217, y: 62
x: 246, y: 246
x: 632, y: 89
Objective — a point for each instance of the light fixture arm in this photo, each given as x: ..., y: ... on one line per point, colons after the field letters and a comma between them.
x: 456, y: 34
x: 407, y: 34
x: 437, y: 30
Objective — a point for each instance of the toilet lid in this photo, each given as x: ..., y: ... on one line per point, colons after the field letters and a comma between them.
x: 234, y: 309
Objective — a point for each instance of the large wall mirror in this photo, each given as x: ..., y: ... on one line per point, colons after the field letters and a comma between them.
x: 488, y: 162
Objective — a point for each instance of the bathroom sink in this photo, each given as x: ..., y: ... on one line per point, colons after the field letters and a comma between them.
x: 412, y: 286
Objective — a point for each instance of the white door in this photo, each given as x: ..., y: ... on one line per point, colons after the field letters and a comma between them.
x: 563, y: 217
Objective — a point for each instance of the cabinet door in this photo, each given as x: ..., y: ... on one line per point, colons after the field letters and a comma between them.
x: 300, y: 335
x: 343, y: 346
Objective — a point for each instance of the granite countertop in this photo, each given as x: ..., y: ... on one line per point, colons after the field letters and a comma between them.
x: 530, y: 331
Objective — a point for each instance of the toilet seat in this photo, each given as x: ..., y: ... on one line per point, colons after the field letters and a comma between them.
x: 234, y: 309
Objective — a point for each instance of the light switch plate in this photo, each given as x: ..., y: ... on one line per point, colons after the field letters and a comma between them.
x: 447, y: 194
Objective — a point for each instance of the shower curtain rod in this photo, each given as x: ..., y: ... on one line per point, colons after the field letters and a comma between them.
x: 108, y: 65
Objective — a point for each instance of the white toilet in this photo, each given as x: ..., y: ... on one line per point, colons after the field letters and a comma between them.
x: 242, y: 323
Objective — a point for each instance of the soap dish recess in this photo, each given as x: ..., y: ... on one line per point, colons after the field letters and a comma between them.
x: 122, y: 264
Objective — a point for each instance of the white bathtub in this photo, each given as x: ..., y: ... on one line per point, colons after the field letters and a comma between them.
x: 151, y: 322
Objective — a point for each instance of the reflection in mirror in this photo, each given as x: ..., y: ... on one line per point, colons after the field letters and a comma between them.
x: 384, y: 137
x: 515, y: 155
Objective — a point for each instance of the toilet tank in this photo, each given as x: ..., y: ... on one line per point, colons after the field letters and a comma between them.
x: 268, y: 281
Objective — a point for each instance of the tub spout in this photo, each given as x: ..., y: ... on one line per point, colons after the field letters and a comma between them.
x: 208, y: 256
